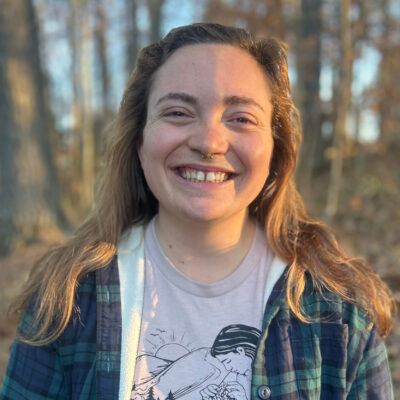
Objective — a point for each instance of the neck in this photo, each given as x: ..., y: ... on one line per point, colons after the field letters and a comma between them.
x: 205, y: 251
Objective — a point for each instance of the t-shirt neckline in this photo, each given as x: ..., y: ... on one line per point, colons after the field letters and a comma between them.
x: 154, y: 253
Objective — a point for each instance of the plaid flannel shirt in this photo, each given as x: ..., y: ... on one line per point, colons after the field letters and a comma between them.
x: 338, y: 356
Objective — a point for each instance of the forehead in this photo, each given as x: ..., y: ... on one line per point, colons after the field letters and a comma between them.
x: 211, y: 70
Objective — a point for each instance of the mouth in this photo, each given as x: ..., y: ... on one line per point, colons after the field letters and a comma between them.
x: 197, y: 175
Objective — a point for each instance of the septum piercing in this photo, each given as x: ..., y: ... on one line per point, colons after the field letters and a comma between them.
x: 208, y: 156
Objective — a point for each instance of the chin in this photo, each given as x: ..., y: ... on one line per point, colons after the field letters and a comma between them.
x: 201, y: 213
x: 208, y: 213
x: 204, y: 217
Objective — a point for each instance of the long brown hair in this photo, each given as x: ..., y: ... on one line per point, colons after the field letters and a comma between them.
x: 123, y: 199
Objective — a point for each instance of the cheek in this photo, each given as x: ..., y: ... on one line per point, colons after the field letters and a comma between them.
x: 146, y: 157
x: 149, y: 151
x: 158, y: 143
x: 265, y: 155
x: 258, y: 159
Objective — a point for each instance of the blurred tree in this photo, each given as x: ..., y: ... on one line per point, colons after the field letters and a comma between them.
x: 72, y: 175
x: 262, y: 17
x: 102, y: 119
x: 100, y: 33
x: 132, y: 36
x: 219, y: 11
x: 389, y: 83
x: 308, y: 57
x: 79, y: 177
x: 155, y: 12
x: 343, y: 106
x: 86, y: 80
x: 266, y: 18
x: 29, y: 193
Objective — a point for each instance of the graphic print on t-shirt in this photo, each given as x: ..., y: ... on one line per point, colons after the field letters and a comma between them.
x: 219, y: 372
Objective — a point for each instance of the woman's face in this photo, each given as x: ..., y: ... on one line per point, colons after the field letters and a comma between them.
x: 236, y: 361
x: 207, y: 98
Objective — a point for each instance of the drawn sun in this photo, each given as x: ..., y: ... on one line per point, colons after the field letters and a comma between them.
x: 171, y: 351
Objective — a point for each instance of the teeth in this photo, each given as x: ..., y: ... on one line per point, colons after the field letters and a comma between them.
x: 201, y: 176
x: 210, y: 177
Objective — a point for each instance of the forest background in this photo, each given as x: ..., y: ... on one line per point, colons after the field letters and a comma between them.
x: 63, y: 66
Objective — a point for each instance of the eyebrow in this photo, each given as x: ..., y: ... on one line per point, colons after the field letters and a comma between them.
x: 186, y: 98
x: 233, y: 100
x: 228, y: 100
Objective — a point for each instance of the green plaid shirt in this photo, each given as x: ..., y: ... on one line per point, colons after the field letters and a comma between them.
x: 338, y: 356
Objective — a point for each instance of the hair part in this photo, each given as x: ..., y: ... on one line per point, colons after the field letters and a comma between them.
x: 123, y: 199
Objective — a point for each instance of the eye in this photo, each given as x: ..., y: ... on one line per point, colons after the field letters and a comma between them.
x: 244, y: 120
x: 174, y: 114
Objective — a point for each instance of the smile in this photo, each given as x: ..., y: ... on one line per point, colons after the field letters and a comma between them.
x: 195, y: 175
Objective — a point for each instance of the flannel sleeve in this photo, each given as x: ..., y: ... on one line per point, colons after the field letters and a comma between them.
x: 372, y: 380
x: 33, y: 372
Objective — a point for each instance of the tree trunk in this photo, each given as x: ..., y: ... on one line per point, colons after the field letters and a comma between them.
x: 100, y: 37
x: 308, y: 71
x: 72, y: 174
x: 217, y: 11
x: 103, y: 117
x: 343, y: 105
x: 273, y: 24
x: 132, y: 36
x: 389, y: 86
x: 87, y: 134
x: 265, y: 18
x: 155, y: 7
x: 29, y: 195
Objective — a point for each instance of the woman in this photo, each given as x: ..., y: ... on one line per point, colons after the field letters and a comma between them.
x: 198, y: 226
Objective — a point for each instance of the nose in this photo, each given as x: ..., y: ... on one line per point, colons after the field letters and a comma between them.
x: 209, y: 137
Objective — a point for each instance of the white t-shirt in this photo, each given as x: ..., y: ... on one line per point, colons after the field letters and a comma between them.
x: 198, y: 340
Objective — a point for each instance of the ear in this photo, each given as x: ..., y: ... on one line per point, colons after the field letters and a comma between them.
x: 240, y: 350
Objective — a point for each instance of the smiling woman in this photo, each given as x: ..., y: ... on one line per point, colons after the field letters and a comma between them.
x: 196, y: 108
x: 200, y: 241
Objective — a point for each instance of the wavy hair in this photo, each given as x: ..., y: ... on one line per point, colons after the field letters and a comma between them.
x: 123, y: 199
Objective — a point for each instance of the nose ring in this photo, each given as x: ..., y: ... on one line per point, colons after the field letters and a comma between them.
x: 208, y: 156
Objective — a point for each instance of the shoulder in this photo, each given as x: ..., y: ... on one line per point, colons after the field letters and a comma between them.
x: 338, y: 339
x: 322, y: 305
x: 340, y: 325
x: 96, y: 287
x: 319, y: 305
x: 326, y: 316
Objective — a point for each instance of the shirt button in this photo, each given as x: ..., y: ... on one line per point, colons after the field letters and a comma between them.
x: 264, y: 392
